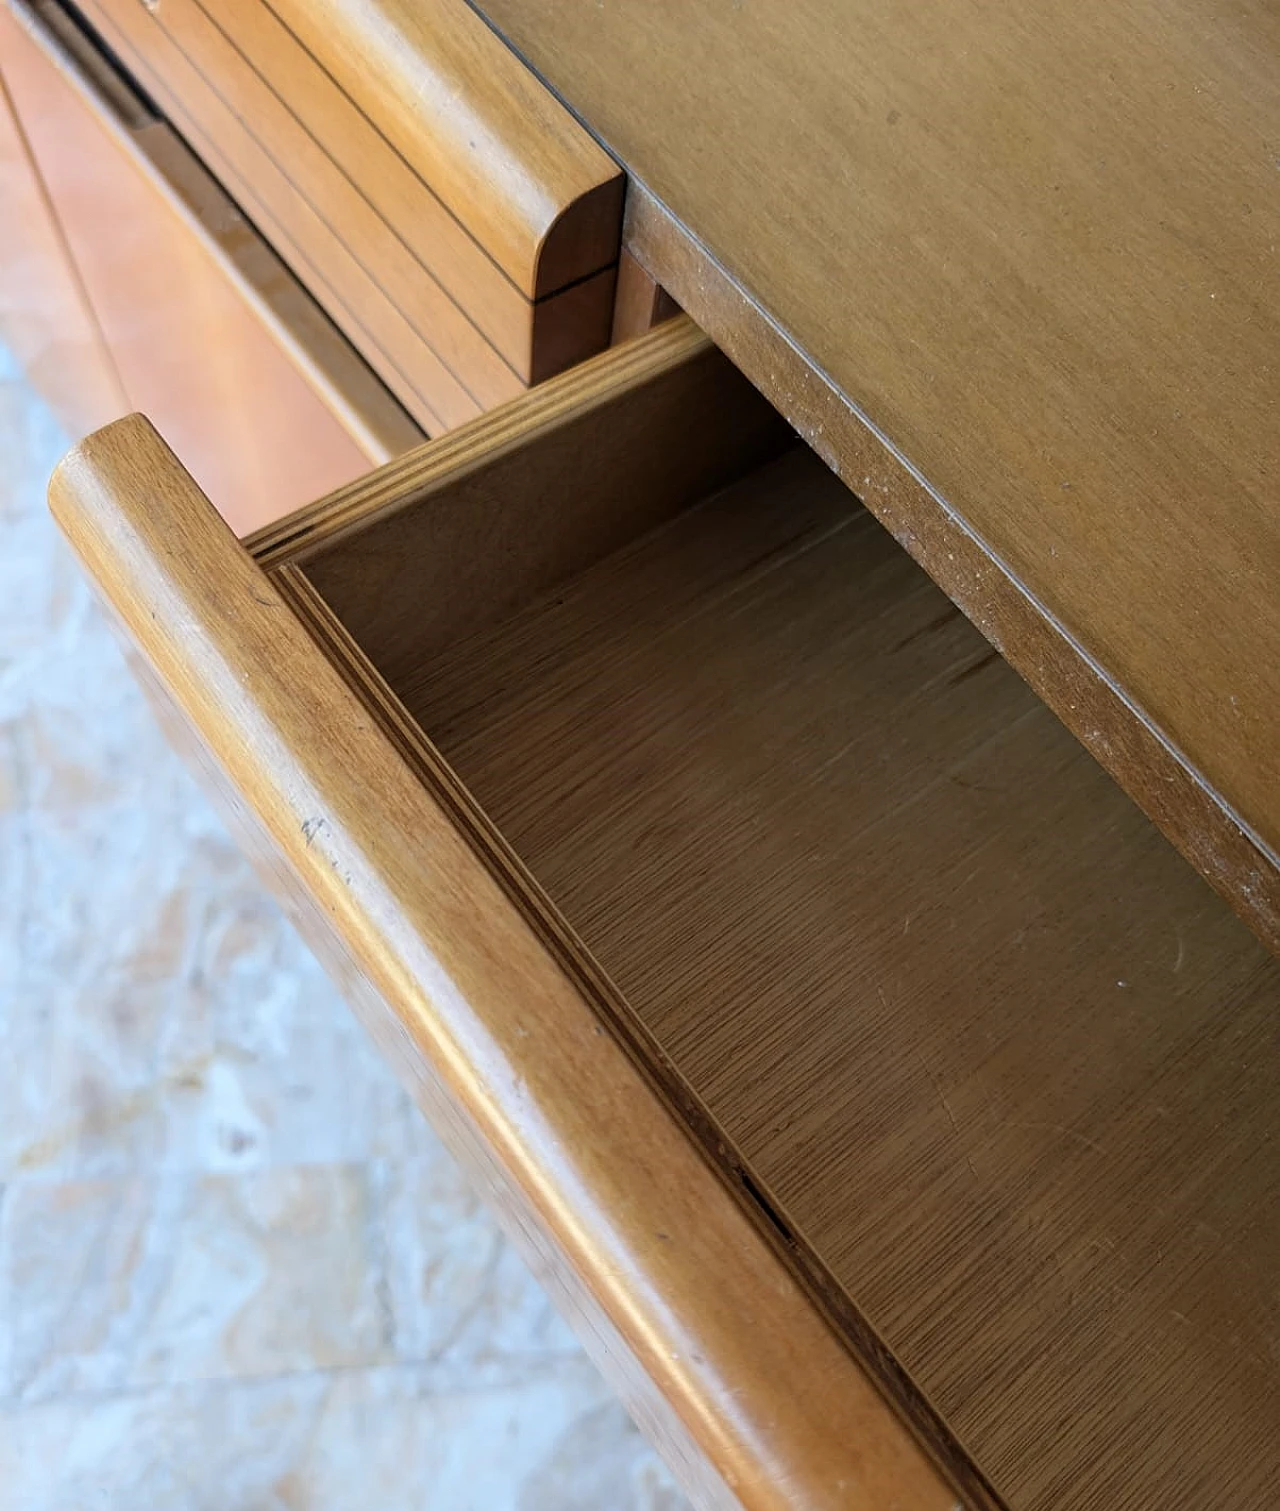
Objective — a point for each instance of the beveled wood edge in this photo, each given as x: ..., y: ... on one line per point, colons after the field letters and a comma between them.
x: 330, y: 365
x: 381, y: 369
x: 577, y: 225
x: 450, y: 457
x: 543, y: 197
x: 1198, y: 819
x: 677, y: 1294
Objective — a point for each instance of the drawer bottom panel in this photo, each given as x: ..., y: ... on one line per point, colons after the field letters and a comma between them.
x: 985, y: 1052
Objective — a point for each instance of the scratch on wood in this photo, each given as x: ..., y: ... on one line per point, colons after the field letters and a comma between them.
x: 1061, y: 1131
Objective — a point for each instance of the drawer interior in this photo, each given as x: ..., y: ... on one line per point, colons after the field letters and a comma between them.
x: 996, y: 1069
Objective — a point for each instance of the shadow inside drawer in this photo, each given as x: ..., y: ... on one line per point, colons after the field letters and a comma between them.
x: 997, y: 1066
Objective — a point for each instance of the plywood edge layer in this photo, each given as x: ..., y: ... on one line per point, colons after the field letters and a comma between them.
x: 601, y: 380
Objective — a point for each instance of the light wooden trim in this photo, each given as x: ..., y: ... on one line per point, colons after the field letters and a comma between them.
x: 499, y: 149
x: 676, y: 1293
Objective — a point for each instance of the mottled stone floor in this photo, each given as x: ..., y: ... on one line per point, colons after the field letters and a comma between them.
x: 237, y: 1272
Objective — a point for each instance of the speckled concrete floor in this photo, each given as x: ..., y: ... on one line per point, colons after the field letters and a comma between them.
x: 237, y: 1272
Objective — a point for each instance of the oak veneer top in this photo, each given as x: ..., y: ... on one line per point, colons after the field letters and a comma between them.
x: 1033, y: 251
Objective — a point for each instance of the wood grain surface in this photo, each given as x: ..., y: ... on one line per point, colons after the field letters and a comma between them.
x: 679, y: 1298
x: 536, y: 337
x: 1000, y: 1065
x: 1013, y: 273
x: 147, y: 231
x: 505, y: 156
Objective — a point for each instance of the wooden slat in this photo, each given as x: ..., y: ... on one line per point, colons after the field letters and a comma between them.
x: 680, y: 1300
x: 1014, y: 275
x: 1002, y: 1065
x: 341, y: 206
x: 405, y: 361
x: 535, y: 338
x: 499, y: 150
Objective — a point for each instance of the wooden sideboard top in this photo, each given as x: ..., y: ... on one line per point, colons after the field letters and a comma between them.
x: 1014, y: 271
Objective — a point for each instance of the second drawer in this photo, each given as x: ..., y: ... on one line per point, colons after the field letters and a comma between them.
x: 438, y: 278
x: 197, y: 321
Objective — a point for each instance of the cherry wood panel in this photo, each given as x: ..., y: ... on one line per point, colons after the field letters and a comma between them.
x: 1013, y: 274
x: 146, y: 228
x: 373, y: 846
x: 45, y: 318
x: 1001, y: 1066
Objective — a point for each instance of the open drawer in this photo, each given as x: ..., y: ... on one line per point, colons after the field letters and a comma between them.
x: 893, y: 1110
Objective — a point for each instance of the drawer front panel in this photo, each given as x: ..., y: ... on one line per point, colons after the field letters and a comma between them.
x: 446, y: 325
x: 441, y: 245
x: 407, y: 894
x: 408, y: 366
x: 341, y: 208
